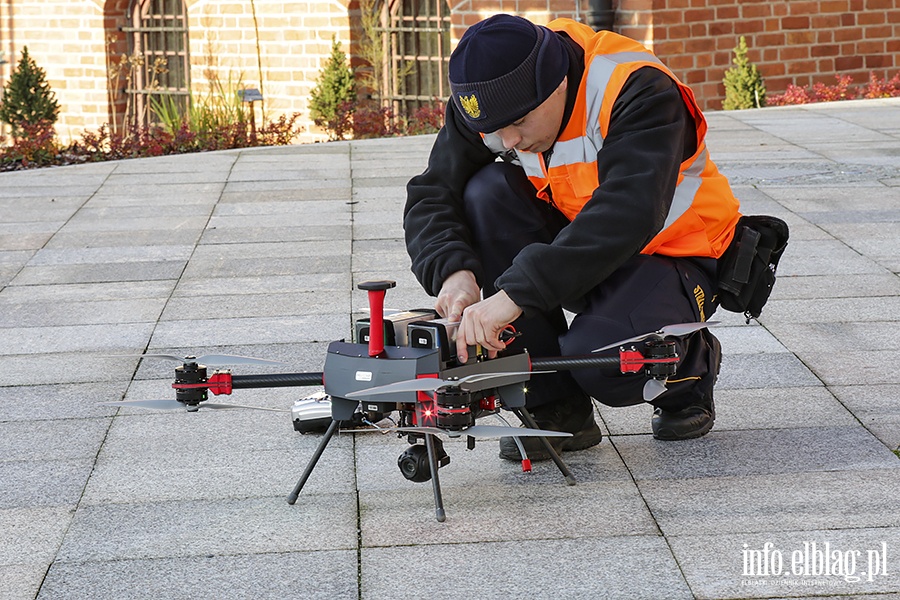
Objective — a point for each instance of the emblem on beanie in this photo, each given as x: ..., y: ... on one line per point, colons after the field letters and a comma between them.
x: 470, y: 105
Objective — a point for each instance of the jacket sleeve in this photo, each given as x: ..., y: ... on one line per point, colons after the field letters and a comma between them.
x: 438, y: 239
x: 649, y: 135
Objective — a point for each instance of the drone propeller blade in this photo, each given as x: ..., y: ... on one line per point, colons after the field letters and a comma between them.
x: 653, y: 388
x: 479, y: 431
x: 176, y: 405
x: 212, y: 360
x: 244, y: 406
x: 675, y: 330
x: 501, y: 430
x: 149, y: 404
x: 231, y: 359
x: 430, y: 384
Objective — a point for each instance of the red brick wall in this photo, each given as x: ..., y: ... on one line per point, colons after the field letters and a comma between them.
x: 67, y: 38
x: 800, y: 42
x: 796, y: 41
x: 468, y: 12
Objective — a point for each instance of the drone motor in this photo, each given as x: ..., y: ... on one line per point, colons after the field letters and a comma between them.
x: 191, y: 373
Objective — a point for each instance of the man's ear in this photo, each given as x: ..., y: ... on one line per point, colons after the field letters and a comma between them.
x: 563, y: 85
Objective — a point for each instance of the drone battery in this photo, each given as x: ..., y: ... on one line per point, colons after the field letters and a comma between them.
x: 395, y: 326
x: 436, y: 333
x: 362, y: 332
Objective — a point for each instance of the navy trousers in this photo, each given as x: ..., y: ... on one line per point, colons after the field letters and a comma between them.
x: 645, y: 294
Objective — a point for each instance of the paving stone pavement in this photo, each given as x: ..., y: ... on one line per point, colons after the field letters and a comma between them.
x: 258, y: 252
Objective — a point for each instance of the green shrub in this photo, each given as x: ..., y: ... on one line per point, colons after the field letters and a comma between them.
x: 334, y: 88
x: 27, y: 98
x: 744, y: 86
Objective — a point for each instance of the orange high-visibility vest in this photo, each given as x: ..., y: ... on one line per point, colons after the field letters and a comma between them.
x: 704, y: 211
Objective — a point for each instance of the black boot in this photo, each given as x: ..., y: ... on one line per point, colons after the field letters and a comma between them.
x: 690, y: 422
x: 697, y: 417
x: 574, y: 415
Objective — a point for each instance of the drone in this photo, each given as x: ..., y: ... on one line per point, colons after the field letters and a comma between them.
x: 411, y: 368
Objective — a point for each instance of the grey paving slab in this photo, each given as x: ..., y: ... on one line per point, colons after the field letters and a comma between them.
x: 21, y: 581
x: 152, y: 178
x: 52, y: 369
x: 773, y: 502
x: 232, y: 252
x: 64, y: 401
x: 838, y: 286
x: 782, y: 369
x: 23, y: 241
x: 256, y: 305
x: 245, y: 194
x: 756, y: 452
x: 182, y: 163
x: 839, y: 310
x: 861, y: 367
x: 239, y: 235
x: 324, y: 283
x: 43, y: 483
x: 843, y: 337
x: 503, y: 513
x: 762, y: 408
x: 211, y: 527
x: 107, y: 239
x: 288, y: 187
x: 42, y: 314
x: 251, y: 330
x: 160, y: 194
x: 73, y: 338
x: 48, y: 190
x: 620, y: 567
x: 100, y: 292
x: 84, y: 221
x: 29, y: 535
x: 877, y: 407
x: 145, y: 211
x: 98, y: 273
x: 714, y: 564
x: 300, y: 206
x: 256, y: 454
x: 38, y: 210
x: 277, y: 173
x: 321, y: 575
x: 58, y: 439
x: 825, y: 257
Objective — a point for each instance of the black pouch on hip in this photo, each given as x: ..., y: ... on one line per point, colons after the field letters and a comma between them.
x: 746, y: 271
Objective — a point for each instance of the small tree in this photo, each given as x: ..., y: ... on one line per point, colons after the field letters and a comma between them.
x: 334, y: 91
x: 744, y: 86
x: 27, y: 98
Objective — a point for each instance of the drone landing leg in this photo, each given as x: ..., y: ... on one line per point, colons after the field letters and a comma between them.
x: 526, y: 418
x: 313, y: 461
x: 439, y: 513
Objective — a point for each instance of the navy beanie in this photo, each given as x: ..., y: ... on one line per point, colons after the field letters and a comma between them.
x: 503, y: 68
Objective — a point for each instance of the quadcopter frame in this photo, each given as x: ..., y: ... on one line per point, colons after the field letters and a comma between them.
x: 447, y: 399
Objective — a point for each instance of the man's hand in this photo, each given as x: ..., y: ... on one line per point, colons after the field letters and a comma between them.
x: 459, y: 291
x: 482, y: 323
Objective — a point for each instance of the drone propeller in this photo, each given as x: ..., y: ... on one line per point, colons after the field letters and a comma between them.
x: 653, y: 388
x: 430, y: 384
x: 481, y: 431
x: 656, y: 387
x: 214, y: 360
x: 176, y: 405
x: 676, y: 330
